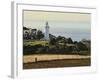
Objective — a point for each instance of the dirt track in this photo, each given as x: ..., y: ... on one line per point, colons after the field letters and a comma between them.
x: 58, y: 63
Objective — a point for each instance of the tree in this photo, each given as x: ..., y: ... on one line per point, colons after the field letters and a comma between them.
x: 69, y: 40
x: 39, y: 34
x: 75, y: 42
x: 59, y: 38
x: 64, y: 42
x: 53, y: 41
x: 81, y: 46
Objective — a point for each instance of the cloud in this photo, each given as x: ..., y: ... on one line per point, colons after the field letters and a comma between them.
x: 56, y: 16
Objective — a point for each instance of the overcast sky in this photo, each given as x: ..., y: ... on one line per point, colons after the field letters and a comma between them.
x: 75, y: 25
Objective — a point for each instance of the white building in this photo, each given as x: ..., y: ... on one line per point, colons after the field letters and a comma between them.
x: 47, y: 31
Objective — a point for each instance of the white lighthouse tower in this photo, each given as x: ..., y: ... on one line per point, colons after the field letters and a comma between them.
x: 47, y: 31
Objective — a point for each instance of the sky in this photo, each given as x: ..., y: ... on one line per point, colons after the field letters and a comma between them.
x: 74, y: 25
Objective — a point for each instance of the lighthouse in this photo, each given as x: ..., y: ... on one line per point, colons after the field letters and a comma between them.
x: 47, y: 31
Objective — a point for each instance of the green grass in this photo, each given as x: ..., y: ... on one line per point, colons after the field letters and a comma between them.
x: 32, y: 43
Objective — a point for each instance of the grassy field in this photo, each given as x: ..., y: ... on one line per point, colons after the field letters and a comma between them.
x: 53, y: 61
x: 58, y: 63
x: 32, y: 43
x: 50, y: 57
x: 47, y: 60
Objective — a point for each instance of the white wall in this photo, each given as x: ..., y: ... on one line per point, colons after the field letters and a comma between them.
x: 5, y: 38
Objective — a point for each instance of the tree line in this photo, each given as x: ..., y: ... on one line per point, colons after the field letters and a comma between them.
x: 56, y: 45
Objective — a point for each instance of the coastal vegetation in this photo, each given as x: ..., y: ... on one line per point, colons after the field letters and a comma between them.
x: 36, y: 44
